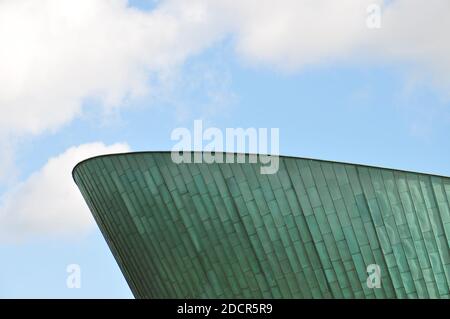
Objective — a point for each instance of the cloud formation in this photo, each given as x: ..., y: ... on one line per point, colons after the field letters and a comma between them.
x: 293, y: 34
x: 414, y: 34
x: 55, y: 54
x: 48, y: 203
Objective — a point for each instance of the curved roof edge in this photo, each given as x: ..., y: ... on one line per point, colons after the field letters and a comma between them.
x: 284, y: 156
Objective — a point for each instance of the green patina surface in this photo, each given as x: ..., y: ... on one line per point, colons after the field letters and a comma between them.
x: 309, y: 231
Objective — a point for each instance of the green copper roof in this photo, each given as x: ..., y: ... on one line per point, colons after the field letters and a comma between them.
x: 308, y: 231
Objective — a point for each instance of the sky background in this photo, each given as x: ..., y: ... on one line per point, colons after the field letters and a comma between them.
x: 82, y: 78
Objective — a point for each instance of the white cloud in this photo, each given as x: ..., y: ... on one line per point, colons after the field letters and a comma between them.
x: 48, y: 202
x: 57, y: 53
x: 415, y: 34
x: 292, y: 34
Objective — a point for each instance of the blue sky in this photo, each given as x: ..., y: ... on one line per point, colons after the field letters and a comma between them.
x: 385, y: 105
